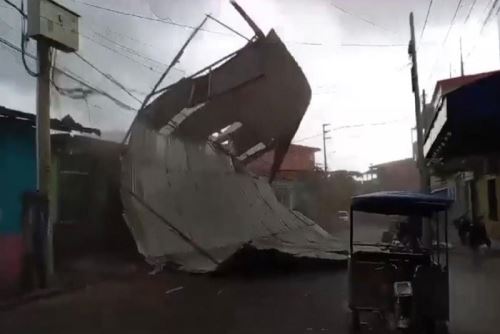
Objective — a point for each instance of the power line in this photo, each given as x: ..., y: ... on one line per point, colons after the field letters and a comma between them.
x: 470, y: 11
x: 488, y: 16
x: 115, y: 11
x: 120, y: 53
x: 23, y: 35
x: 373, y: 45
x: 228, y: 27
x: 426, y: 19
x: 73, y: 77
x: 128, y: 49
x: 452, y: 23
x: 16, y: 8
x: 24, y: 41
x: 107, y: 76
x: 345, y: 11
x: 350, y: 127
x: 170, y: 22
x: 485, y: 22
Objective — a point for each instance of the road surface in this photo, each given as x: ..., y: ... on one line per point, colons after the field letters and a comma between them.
x: 292, y: 302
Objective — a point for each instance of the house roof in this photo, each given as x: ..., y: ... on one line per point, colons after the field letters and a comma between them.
x: 392, y: 163
x: 66, y: 124
x: 446, y: 86
x: 305, y: 148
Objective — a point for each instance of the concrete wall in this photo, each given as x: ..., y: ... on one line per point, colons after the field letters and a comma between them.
x: 17, y: 175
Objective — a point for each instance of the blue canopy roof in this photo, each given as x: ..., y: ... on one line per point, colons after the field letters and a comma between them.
x: 400, y: 203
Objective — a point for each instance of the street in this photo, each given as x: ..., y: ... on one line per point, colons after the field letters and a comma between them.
x: 278, y: 302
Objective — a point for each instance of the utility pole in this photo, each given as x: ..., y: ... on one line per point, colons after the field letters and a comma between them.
x: 461, y: 59
x: 43, y: 153
x: 424, y: 176
x: 424, y: 111
x: 52, y: 25
x: 325, y: 138
x: 43, y: 118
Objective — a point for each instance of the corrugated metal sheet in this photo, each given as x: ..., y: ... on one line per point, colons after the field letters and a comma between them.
x: 200, y: 212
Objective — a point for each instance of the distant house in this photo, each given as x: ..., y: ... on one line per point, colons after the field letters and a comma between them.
x: 392, y: 175
x: 299, y: 161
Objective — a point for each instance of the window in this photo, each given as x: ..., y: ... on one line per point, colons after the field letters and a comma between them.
x: 492, y: 200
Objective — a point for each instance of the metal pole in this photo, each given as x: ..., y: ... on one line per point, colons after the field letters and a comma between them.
x: 446, y: 237
x: 462, y: 71
x: 43, y: 141
x: 351, y: 230
x: 325, y: 159
x: 170, y: 66
x: 258, y: 32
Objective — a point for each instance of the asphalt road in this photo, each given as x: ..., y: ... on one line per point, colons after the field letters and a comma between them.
x: 292, y: 302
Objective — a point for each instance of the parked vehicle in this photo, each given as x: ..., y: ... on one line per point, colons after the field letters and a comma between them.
x: 402, y: 281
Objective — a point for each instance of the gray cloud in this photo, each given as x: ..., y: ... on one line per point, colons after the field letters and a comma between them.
x: 351, y: 85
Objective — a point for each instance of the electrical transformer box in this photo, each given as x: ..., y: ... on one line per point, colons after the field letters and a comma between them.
x: 54, y: 23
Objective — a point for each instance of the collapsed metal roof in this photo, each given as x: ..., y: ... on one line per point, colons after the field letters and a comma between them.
x: 252, y: 103
x: 186, y: 200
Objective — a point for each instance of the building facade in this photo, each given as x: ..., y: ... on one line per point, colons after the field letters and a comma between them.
x: 398, y: 175
x: 17, y: 176
x: 462, y: 146
x: 17, y: 179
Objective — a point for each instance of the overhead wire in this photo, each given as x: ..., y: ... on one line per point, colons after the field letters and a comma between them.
x: 426, y: 19
x: 107, y: 76
x: 490, y: 12
x: 169, y: 22
x: 485, y: 22
x: 20, y: 10
x: 443, y: 43
x: 130, y: 50
x: 452, y: 22
x: 349, y: 127
x: 373, y: 45
x: 24, y: 38
x: 151, y: 68
x: 73, y: 77
x: 470, y: 11
x: 372, y: 23
x: 115, y: 11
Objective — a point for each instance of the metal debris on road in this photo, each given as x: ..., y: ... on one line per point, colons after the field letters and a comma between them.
x: 174, y: 290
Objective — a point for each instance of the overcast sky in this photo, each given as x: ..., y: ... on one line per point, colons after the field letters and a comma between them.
x: 353, y: 83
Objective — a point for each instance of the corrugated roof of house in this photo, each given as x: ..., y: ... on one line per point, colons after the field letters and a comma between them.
x: 67, y: 123
x: 447, y: 86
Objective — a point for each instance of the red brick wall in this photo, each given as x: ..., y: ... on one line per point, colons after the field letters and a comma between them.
x: 11, y: 264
